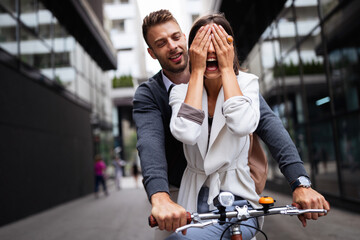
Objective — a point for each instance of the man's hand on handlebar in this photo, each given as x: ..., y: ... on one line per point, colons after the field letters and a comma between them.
x: 305, y: 198
x: 169, y: 215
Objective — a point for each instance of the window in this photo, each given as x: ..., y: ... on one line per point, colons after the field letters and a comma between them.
x: 344, y: 65
x: 349, y: 140
x: 323, y: 159
x: 8, y: 33
x: 194, y: 17
x: 10, y: 5
x: 119, y: 25
x: 326, y: 6
x: 29, y: 13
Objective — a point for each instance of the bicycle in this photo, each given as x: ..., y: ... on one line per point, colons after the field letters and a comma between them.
x: 226, y: 199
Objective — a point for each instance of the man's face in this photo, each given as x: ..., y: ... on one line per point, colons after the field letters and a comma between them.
x: 168, y: 46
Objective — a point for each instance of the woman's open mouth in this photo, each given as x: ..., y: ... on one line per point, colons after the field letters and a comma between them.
x: 211, y: 64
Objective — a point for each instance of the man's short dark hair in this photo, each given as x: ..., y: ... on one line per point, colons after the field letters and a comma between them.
x: 155, y: 18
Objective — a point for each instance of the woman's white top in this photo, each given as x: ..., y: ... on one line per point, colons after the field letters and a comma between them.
x: 221, y: 160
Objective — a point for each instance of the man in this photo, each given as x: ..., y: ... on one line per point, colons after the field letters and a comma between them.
x: 161, y: 155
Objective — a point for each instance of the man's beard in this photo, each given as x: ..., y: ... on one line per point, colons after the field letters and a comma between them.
x: 177, y: 68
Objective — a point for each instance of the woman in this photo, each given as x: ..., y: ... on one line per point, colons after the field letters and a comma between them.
x: 99, y: 169
x: 213, y: 116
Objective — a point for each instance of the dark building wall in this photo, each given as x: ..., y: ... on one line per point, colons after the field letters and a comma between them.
x: 45, y: 145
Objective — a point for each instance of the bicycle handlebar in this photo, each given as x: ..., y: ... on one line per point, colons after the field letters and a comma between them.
x: 241, y: 213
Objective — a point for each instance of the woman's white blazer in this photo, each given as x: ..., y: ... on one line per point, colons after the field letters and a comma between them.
x: 220, y: 160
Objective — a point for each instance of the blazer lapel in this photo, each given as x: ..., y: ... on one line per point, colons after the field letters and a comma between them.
x: 219, y: 119
x: 203, y: 140
x: 162, y: 97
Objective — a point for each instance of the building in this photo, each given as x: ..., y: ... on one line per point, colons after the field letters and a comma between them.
x: 125, y: 33
x: 306, y: 53
x: 55, y: 103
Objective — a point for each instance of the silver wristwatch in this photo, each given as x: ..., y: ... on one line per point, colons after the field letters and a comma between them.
x: 301, y: 181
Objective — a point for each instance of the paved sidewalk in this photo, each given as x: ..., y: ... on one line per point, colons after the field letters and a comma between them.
x: 120, y: 216
x: 123, y: 216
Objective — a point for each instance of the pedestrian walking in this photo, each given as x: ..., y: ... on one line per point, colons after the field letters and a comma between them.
x: 99, y: 169
x: 118, y: 164
x: 135, y: 171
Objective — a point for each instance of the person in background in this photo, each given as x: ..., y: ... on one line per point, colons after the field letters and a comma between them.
x: 99, y: 169
x: 135, y: 172
x: 118, y: 164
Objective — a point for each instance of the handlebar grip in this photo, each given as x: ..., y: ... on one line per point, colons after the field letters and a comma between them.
x: 153, y: 222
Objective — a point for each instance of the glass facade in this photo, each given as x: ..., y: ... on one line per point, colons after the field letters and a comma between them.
x: 31, y: 33
x: 310, y: 76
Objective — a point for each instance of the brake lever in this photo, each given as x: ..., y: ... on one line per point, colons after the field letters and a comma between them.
x: 197, y: 225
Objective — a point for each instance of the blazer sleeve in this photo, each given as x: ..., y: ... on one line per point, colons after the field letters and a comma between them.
x: 150, y: 141
x: 242, y: 113
x: 277, y: 139
x: 186, y: 121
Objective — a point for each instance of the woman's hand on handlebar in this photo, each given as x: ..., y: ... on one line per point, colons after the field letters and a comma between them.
x: 168, y: 214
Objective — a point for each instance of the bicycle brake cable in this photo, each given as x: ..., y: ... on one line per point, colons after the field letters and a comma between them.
x: 243, y: 224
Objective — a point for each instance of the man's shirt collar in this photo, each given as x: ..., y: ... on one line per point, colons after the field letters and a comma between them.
x: 166, y: 81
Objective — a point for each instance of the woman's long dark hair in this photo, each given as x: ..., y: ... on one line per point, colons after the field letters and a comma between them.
x: 219, y: 19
